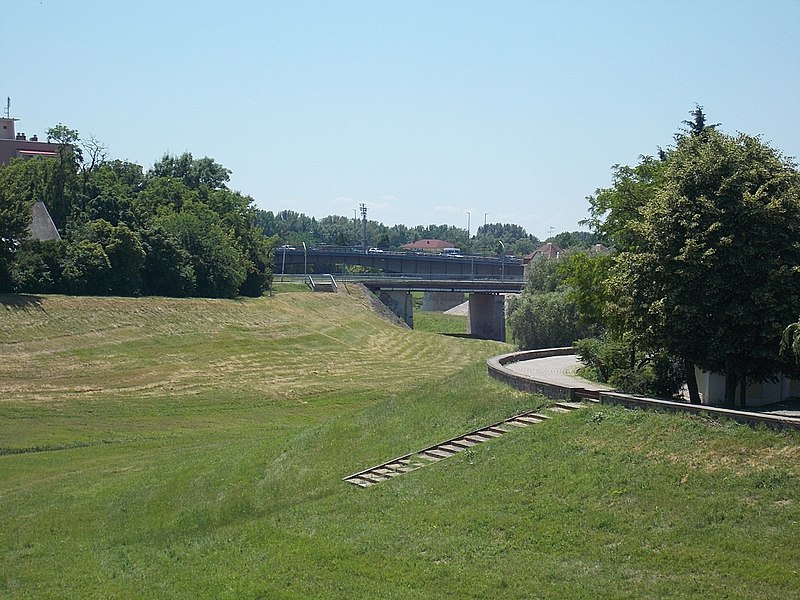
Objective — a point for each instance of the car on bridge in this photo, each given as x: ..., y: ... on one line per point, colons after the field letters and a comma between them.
x: 375, y: 251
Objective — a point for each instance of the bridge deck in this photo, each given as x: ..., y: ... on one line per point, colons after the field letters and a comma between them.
x: 409, y: 284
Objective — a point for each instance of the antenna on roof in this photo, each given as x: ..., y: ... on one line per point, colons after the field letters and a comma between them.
x: 8, y: 107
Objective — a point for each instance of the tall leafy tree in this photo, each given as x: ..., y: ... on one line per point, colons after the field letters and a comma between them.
x: 193, y: 172
x: 167, y: 268
x: 63, y: 182
x: 216, y: 258
x: 709, y: 271
x: 21, y: 183
x: 86, y: 269
x: 615, y: 211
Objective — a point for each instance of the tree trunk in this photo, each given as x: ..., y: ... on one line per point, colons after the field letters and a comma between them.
x: 691, y: 381
x: 730, y: 384
x: 743, y: 393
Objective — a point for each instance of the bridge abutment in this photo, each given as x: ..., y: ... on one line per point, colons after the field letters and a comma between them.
x: 487, y: 316
x: 441, y: 301
x: 399, y: 302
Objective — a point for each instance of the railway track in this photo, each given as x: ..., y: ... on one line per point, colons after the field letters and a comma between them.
x: 431, y: 454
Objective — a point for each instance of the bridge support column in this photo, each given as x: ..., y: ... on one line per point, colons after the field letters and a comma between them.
x: 400, y: 304
x: 487, y: 316
x: 441, y: 301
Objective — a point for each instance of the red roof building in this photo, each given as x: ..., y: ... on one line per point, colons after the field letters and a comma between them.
x: 427, y: 245
x: 17, y: 145
x: 549, y: 250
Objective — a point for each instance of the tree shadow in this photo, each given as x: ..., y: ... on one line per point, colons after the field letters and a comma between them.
x: 21, y: 302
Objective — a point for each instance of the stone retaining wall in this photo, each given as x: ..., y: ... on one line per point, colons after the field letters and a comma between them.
x: 750, y: 418
x: 497, y: 370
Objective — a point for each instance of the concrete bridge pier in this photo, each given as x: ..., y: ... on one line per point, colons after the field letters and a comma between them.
x: 487, y: 316
x: 399, y: 302
x: 441, y: 301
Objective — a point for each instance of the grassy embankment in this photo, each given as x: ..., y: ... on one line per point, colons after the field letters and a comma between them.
x: 195, y: 448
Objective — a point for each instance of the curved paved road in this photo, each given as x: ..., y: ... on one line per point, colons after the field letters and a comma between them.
x: 558, y: 370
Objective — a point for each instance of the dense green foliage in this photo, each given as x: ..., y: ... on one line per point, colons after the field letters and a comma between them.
x: 196, y: 449
x: 294, y: 228
x: 610, y: 360
x: 708, y: 241
x: 176, y: 230
x: 545, y: 315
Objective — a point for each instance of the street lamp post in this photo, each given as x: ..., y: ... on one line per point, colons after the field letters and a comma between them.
x: 483, y: 241
x: 305, y: 260
x: 502, y: 261
x: 283, y: 264
x: 468, y: 225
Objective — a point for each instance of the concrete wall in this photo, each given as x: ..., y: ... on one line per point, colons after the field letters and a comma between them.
x: 712, y: 389
x: 631, y: 401
x: 497, y: 370
x: 400, y: 303
x: 441, y: 301
x: 487, y: 316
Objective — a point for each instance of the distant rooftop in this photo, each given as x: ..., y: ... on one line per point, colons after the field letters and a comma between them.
x: 42, y: 227
x: 427, y: 245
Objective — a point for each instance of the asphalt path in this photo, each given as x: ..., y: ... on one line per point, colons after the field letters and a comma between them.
x: 557, y: 370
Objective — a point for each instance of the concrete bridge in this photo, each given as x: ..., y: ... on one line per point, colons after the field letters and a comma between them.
x: 336, y: 260
x: 487, y: 316
x: 445, y: 279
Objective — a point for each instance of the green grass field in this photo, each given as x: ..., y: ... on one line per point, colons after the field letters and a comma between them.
x: 163, y: 448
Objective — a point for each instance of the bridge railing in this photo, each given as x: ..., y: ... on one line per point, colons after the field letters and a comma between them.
x: 355, y: 277
x: 348, y: 250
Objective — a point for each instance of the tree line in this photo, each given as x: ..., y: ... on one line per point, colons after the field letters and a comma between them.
x: 173, y: 230
x: 176, y: 229
x: 705, y: 270
x: 294, y: 228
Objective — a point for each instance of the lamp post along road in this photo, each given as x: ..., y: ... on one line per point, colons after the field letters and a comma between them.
x: 483, y: 241
x: 502, y: 261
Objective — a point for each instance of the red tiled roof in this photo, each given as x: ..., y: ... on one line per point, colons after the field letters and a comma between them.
x: 549, y: 250
x: 427, y: 245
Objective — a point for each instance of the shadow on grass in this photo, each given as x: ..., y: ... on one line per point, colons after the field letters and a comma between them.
x: 21, y: 302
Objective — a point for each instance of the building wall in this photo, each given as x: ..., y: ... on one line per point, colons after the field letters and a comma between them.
x: 16, y: 149
x: 13, y: 145
x: 712, y: 389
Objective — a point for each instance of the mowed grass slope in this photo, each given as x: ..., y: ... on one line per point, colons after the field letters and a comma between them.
x: 161, y: 448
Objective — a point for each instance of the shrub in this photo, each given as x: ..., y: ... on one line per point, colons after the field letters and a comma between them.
x: 544, y: 321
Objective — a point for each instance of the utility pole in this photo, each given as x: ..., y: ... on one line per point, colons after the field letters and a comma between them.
x: 363, y: 208
x: 355, y: 228
x: 483, y: 241
x: 468, y: 224
x: 502, y: 261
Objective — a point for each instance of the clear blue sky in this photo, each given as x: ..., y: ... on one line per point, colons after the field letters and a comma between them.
x: 421, y: 110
